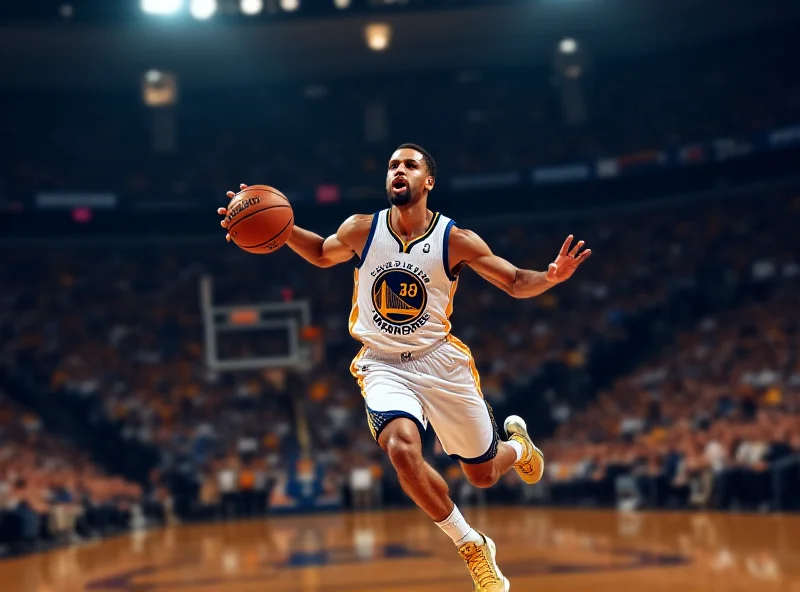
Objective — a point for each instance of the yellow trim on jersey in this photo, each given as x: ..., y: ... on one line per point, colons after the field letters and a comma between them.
x: 472, y: 368
x: 354, y: 309
x: 372, y: 429
x: 354, y: 371
x: 406, y: 247
x: 449, y: 309
x: 360, y: 381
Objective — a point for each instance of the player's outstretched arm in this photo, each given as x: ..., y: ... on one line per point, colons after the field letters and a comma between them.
x: 467, y: 248
x: 350, y: 239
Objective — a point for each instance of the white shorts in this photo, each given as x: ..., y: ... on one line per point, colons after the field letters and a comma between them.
x: 440, y: 385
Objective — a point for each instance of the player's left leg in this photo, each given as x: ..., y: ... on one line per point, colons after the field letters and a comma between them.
x: 465, y: 424
x: 518, y: 452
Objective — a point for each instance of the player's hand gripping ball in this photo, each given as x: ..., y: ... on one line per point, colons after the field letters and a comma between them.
x: 259, y: 219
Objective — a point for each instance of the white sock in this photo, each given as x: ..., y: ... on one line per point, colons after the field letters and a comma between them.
x: 517, y: 446
x: 456, y: 527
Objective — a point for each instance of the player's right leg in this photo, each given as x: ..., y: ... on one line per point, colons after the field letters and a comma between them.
x: 402, y: 442
x: 397, y: 422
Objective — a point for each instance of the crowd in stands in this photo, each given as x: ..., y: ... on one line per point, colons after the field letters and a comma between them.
x: 343, y: 131
x: 50, y: 490
x: 712, y: 422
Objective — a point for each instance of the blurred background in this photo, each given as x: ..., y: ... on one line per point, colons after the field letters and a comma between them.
x: 151, y: 373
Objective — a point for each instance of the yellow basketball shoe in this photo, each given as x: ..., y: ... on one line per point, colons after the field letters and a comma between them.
x: 482, y: 565
x: 531, y: 466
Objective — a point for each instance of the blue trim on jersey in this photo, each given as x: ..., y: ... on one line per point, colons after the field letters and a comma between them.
x: 380, y: 419
x: 446, y: 251
x: 370, y: 236
x: 485, y: 457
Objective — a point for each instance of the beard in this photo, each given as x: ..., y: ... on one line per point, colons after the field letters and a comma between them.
x: 402, y: 198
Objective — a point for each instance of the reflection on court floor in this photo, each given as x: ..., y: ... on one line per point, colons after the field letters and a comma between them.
x: 538, y: 549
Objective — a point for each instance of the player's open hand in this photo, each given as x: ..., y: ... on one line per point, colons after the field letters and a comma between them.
x: 567, y: 261
x: 224, y: 211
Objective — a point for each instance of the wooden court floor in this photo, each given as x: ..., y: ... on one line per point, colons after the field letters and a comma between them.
x: 538, y: 549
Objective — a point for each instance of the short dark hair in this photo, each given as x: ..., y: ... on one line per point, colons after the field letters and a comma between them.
x: 429, y: 162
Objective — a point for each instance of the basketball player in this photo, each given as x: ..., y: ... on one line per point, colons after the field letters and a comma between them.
x: 411, y: 370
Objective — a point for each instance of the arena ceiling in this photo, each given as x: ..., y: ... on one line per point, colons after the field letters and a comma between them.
x: 114, y: 56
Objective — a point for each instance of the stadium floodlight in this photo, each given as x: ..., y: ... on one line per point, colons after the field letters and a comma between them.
x: 290, y: 5
x: 251, y: 7
x: 568, y: 46
x: 203, y: 9
x: 341, y: 4
x: 379, y: 36
x: 161, y: 7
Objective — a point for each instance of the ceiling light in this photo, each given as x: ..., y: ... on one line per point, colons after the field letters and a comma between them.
x: 379, y: 36
x: 161, y: 7
x: 251, y: 7
x: 568, y: 46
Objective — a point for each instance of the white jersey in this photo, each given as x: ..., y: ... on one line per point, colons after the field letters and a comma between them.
x: 403, y: 293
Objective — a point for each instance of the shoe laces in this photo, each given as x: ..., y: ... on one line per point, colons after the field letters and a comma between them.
x: 479, y: 566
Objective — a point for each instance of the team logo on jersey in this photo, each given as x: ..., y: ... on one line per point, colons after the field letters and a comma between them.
x: 399, y: 298
x: 426, y: 248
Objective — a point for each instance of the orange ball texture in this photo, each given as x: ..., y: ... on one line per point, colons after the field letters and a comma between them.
x: 260, y: 219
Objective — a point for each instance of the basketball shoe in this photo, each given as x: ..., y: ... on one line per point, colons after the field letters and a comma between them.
x: 482, y: 565
x: 531, y: 465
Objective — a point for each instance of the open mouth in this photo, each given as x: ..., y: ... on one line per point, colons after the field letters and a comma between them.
x: 399, y: 185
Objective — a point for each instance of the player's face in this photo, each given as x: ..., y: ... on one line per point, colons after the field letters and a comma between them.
x: 407, y: 179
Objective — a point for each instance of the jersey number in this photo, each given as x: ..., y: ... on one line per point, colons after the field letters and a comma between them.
x: 406, y: 290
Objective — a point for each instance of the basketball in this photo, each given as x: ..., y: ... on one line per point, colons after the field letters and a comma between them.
x: 260, y: 219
